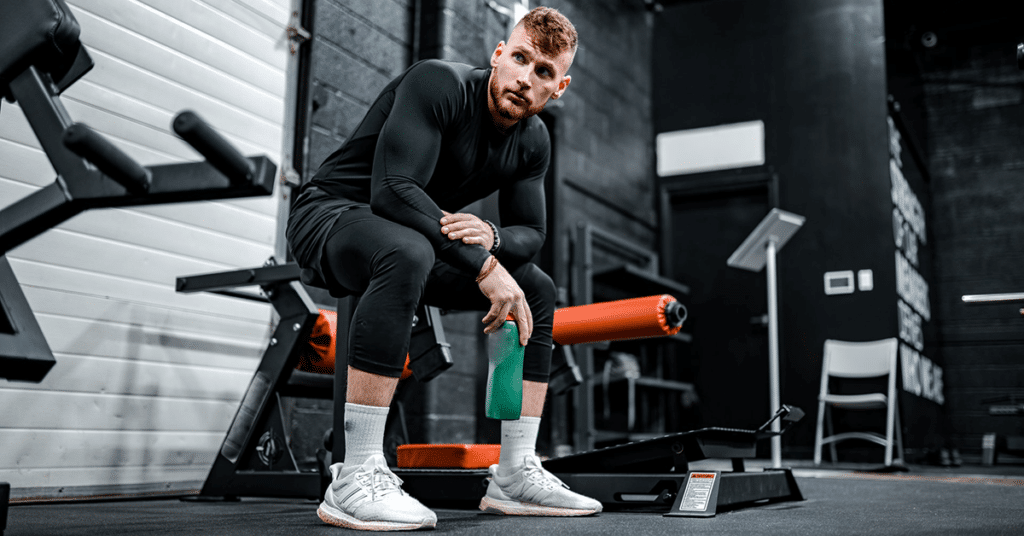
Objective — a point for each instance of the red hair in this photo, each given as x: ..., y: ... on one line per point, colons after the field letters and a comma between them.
x: 550, y: 31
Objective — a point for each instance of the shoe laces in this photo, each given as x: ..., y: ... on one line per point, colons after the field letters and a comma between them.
x: 380, y: 481
x: 535, y: 473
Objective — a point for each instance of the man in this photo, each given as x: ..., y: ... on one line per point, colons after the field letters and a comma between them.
x: 380, y: 219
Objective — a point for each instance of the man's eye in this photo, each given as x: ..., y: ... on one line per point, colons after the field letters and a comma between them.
x: 543, y: 71
x: 518, y: 57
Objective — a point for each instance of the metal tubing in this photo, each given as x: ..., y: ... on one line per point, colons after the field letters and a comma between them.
x: 993, y: 298
x: 647, y: 258
x: 48, y: 118
x: 24, y: 353
x: 264, y: 275
x: 5, y: 499
x: 34, y: 214
x: 217, y: 150
x: 773, y: 353
x: 113, y: 162
x: 583, y: 398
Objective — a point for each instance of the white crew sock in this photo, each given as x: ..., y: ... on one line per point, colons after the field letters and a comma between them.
x: 364, y: 433
x: 518, y: 440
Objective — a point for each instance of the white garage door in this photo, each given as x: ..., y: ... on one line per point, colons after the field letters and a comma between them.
x: 146, y: 380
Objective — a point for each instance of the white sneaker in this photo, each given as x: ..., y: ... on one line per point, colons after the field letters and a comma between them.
x: 371, y: 498
x: 533, y: 491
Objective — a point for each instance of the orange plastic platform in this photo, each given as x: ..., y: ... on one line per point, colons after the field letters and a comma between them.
x: 448, y: 456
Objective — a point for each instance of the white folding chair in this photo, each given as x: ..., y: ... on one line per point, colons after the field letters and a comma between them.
x: 871, y: 359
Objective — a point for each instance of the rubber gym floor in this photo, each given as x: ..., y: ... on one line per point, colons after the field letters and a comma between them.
x: 841, y: 499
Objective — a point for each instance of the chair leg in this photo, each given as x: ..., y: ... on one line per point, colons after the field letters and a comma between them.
x: 817, y: 434
x: 831, y: 432
x: 899, y: 437
x: 889, y: 425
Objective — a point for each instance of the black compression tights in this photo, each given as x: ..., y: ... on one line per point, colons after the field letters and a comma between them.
x: 393, y: 268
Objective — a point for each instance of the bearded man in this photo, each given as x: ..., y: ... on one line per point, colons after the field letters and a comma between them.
x: 380, y: 219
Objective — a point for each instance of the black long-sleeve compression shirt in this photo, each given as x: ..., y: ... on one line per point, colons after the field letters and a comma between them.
x: 428, y: 144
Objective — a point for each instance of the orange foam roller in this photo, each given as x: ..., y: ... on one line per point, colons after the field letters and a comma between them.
x: 635, y: 318
x: 318, y: 355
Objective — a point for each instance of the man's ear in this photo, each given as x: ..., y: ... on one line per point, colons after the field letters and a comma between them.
x: 497, y: 52
x: 562, y: 86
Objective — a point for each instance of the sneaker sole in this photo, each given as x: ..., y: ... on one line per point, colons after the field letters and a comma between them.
x: 333, y: 516
x: 491, y: 505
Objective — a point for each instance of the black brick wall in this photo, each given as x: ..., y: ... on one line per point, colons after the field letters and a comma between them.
x: 358, y: 47
x: 974, y: 100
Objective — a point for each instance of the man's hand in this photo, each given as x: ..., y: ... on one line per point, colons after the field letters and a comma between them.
x: 468, y: 228
x: 506, y: 297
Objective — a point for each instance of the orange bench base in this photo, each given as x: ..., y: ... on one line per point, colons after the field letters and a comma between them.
x: 448, y: 456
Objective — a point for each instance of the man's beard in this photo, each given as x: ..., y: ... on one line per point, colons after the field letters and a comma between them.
x: 511, y: 112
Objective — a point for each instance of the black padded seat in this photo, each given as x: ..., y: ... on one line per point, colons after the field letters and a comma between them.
x: 42, y: 33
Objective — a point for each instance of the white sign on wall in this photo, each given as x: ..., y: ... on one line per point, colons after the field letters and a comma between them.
x: 698, y: 150
x: 921, y: 376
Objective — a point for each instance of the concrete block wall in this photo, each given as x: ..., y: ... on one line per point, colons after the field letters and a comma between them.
x: 358, y: 48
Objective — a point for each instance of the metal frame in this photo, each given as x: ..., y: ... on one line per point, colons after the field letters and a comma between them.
x: 759, y: 251
x: 252, y: 461
x: 250, y: 464
x: 24, y: 354
x: 641, y: 268
x: 80, y: 185
x: 647, y: 475
x: 5, y: 499
x: 651, y: 473
x: 994, y: 299
x: 92, y: 173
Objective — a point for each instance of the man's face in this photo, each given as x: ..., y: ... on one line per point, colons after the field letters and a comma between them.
x: 524, y: 78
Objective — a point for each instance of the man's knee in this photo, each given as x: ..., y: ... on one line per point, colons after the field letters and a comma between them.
x: 412, y: 257
x: 536, y: 283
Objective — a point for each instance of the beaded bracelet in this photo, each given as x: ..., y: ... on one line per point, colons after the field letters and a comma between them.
x: 497, y: 239
x: 488, y: 270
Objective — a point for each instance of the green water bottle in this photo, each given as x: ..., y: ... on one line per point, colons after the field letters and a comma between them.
x: 504, y: 373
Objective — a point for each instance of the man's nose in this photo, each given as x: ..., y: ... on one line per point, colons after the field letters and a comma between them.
x: 523, y: 77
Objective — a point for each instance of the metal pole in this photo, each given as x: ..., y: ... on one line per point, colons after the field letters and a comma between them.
x: 773, y: 352
x: 993, y: 298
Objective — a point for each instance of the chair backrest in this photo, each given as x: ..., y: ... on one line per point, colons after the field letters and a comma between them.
x: 860, y: 359
x: 42, y: 33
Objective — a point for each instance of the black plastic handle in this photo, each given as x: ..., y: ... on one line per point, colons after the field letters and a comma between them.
x: 1020, y: 56
x: 675, y: 314
x: 217, y: 150
x: 113, y: 162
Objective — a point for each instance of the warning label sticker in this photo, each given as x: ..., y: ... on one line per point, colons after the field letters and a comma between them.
x: 698, y: 492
